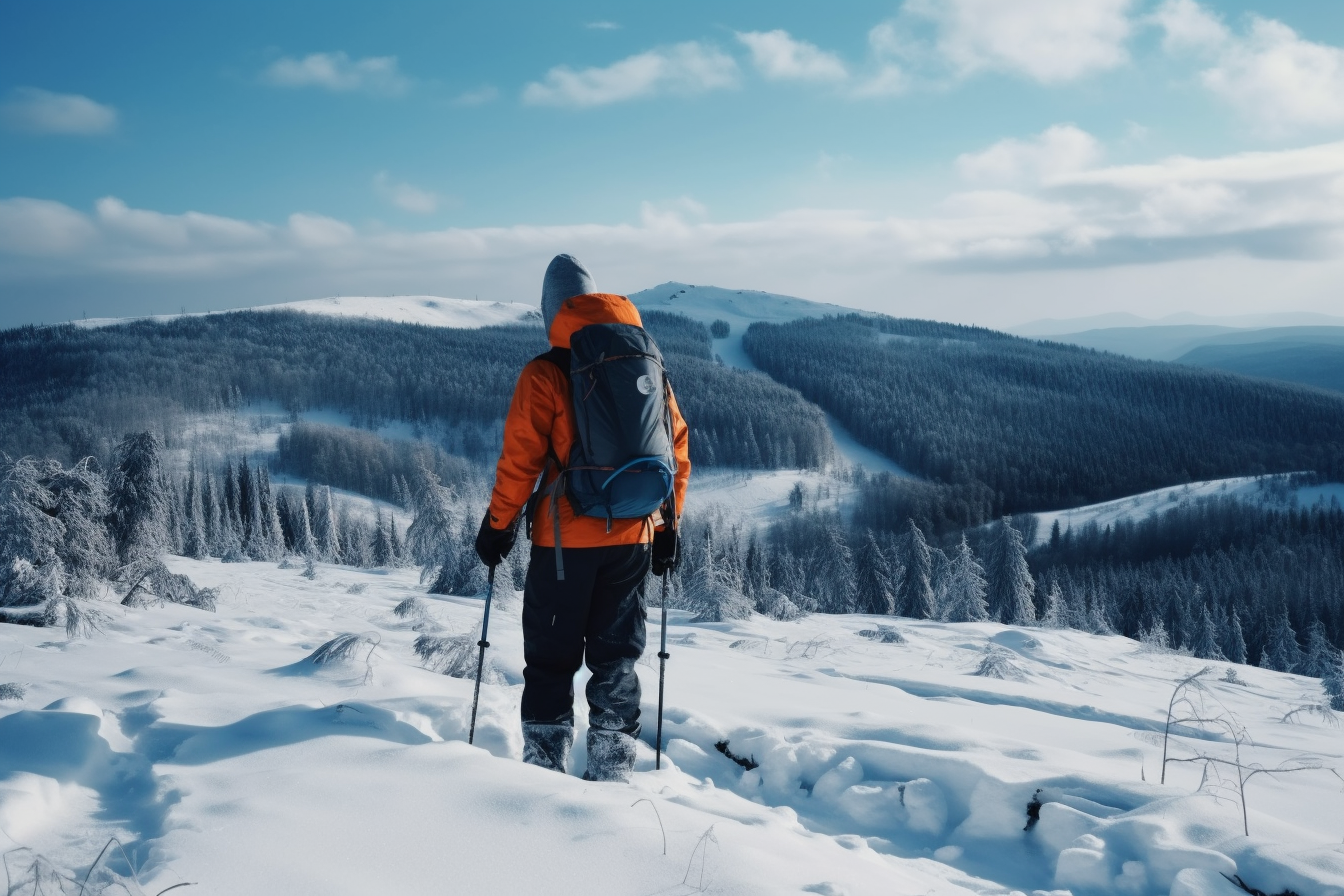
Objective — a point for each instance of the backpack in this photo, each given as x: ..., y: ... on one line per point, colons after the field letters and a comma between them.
x: 622, y: 464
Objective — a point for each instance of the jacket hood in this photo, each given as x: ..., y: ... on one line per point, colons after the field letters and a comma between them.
x: 577, y: 312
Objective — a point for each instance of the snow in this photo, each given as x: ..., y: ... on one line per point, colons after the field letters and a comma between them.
x: 1271, y: 490
x: 428, y: 311
x: 219, y: 754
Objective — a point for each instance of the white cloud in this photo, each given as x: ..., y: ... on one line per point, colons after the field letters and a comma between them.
x: 407, y: 197
x: 1278, y: 80
x: 780, y: 57
x: 1056, y: 223
x: 1188, y: 26
x: 1058, y: 150
x: 602, y: 26
x: 685, y: 68
x: 1050, y: 41
x: 37, y: 111
x: 339, y: 73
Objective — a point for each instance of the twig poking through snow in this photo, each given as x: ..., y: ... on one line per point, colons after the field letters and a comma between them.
x: 454, y: 656
x: 656, y: 815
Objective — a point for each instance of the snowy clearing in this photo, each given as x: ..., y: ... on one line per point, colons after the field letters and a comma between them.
x: 220, y: 753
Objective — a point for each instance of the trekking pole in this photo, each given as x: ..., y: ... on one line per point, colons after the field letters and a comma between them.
x: 662, y: 675
x: 480, y: 662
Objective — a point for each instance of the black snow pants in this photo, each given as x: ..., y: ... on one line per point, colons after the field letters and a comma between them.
x: 595, y: 615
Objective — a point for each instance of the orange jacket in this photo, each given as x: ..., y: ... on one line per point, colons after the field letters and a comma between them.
x: 541, y: 416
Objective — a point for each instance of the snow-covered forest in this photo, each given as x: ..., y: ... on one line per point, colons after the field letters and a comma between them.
x: 825, y: 632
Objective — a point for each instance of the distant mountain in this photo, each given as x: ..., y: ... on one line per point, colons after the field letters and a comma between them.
x: 1057, y: 328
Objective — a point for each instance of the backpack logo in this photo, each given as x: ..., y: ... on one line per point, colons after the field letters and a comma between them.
x: 645, y: 385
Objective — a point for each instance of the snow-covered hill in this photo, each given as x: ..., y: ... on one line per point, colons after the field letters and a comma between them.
x: 429, y: 311
x: 219, y: 755
x: 1276, y: 491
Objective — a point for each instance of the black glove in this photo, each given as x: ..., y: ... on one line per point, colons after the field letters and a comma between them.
x: 493, y: 545
x: 666, y: 552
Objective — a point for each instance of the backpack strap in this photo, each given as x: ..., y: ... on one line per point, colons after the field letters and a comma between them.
x: 560, y: 358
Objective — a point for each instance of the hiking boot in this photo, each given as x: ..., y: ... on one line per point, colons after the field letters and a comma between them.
x: 547, y: 744
x: 611, y: 755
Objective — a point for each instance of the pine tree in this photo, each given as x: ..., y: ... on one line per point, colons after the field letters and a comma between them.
x: 209, y: 514
x: 195, y: 543
x: 270, y: 537
x: 1320, y: 656
x: 139, y: 505
x: 380, y: 551
x: 1055, y: 608
x: 966, y: 587
x: 326, y: 527
x: 1234, y: 642
x: 915, y: 596
x: 1333, y: 681
x: 1281, y: 652
x: 1205, y: 645
x: 435, y: 526
x: 398, y: 547
x: 876, y: 584
x: 303, y: 545
x: 1009, y: 581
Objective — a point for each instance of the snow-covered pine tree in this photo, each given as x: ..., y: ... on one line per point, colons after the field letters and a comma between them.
x: 1205, y: 645
x: 1054, y: 609
x: 1234, y: 642
x: 875, y: 581
x: 1281, y: 652
x: 139, y: 505
x: 436, y: 524
x: 1320, y: 657
x: 304, y: 545
x: 30, y: 535
x: 176, y: 517
x: 915, y: 596
x: 397, y: 545
x: 195, y: 543
x: 229, y: 504
x: 712, y: 591
x: 1008, y: 579
x: 380, y: 548
x: 270, y: 533
x: 326, y: 527
x: 831, y: 571
x: 1333, y: 681
x: 87, y: 551
x: 210, y: 513
x: 966, y: 586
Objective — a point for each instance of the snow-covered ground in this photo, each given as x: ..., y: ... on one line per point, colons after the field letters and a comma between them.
x: 219, y: 755
x: 429, y: 311
x: 1271, y: 490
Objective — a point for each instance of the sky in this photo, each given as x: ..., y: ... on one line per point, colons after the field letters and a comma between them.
x: 982, y: 161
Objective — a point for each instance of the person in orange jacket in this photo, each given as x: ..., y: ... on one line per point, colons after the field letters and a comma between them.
x: 594, y: 611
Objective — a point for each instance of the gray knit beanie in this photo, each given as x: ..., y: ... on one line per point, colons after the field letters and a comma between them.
x: 565, y: 277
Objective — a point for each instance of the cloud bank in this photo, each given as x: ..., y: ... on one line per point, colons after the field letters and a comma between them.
x: 1039, y: 206
x: 338, y: 73
x: 685, y: 68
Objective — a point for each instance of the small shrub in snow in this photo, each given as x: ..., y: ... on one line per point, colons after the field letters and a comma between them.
x: 455, y: 656
x: 1230, y: 677
x: 149, y: 583
x: 12, y: 690
x: 778, y: 605
x: 998, y: 663
x: 309, y: 569
x: 410, y: 608
x: 344, y: 649
x: 751, y: 645
x: 286, y: 563
x: 357, y: 588
x: 883, y: 634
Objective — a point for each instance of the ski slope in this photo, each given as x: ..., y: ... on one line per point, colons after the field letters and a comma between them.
x: 219, y: 755
x: 428, y: 311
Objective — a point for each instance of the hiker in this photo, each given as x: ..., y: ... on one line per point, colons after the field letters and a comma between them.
x: 583, y: 601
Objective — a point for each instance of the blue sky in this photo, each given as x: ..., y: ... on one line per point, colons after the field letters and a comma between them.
x: 978, y: 160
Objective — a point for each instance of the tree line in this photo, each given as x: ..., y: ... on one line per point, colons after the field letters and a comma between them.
x: 1017, y: 425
